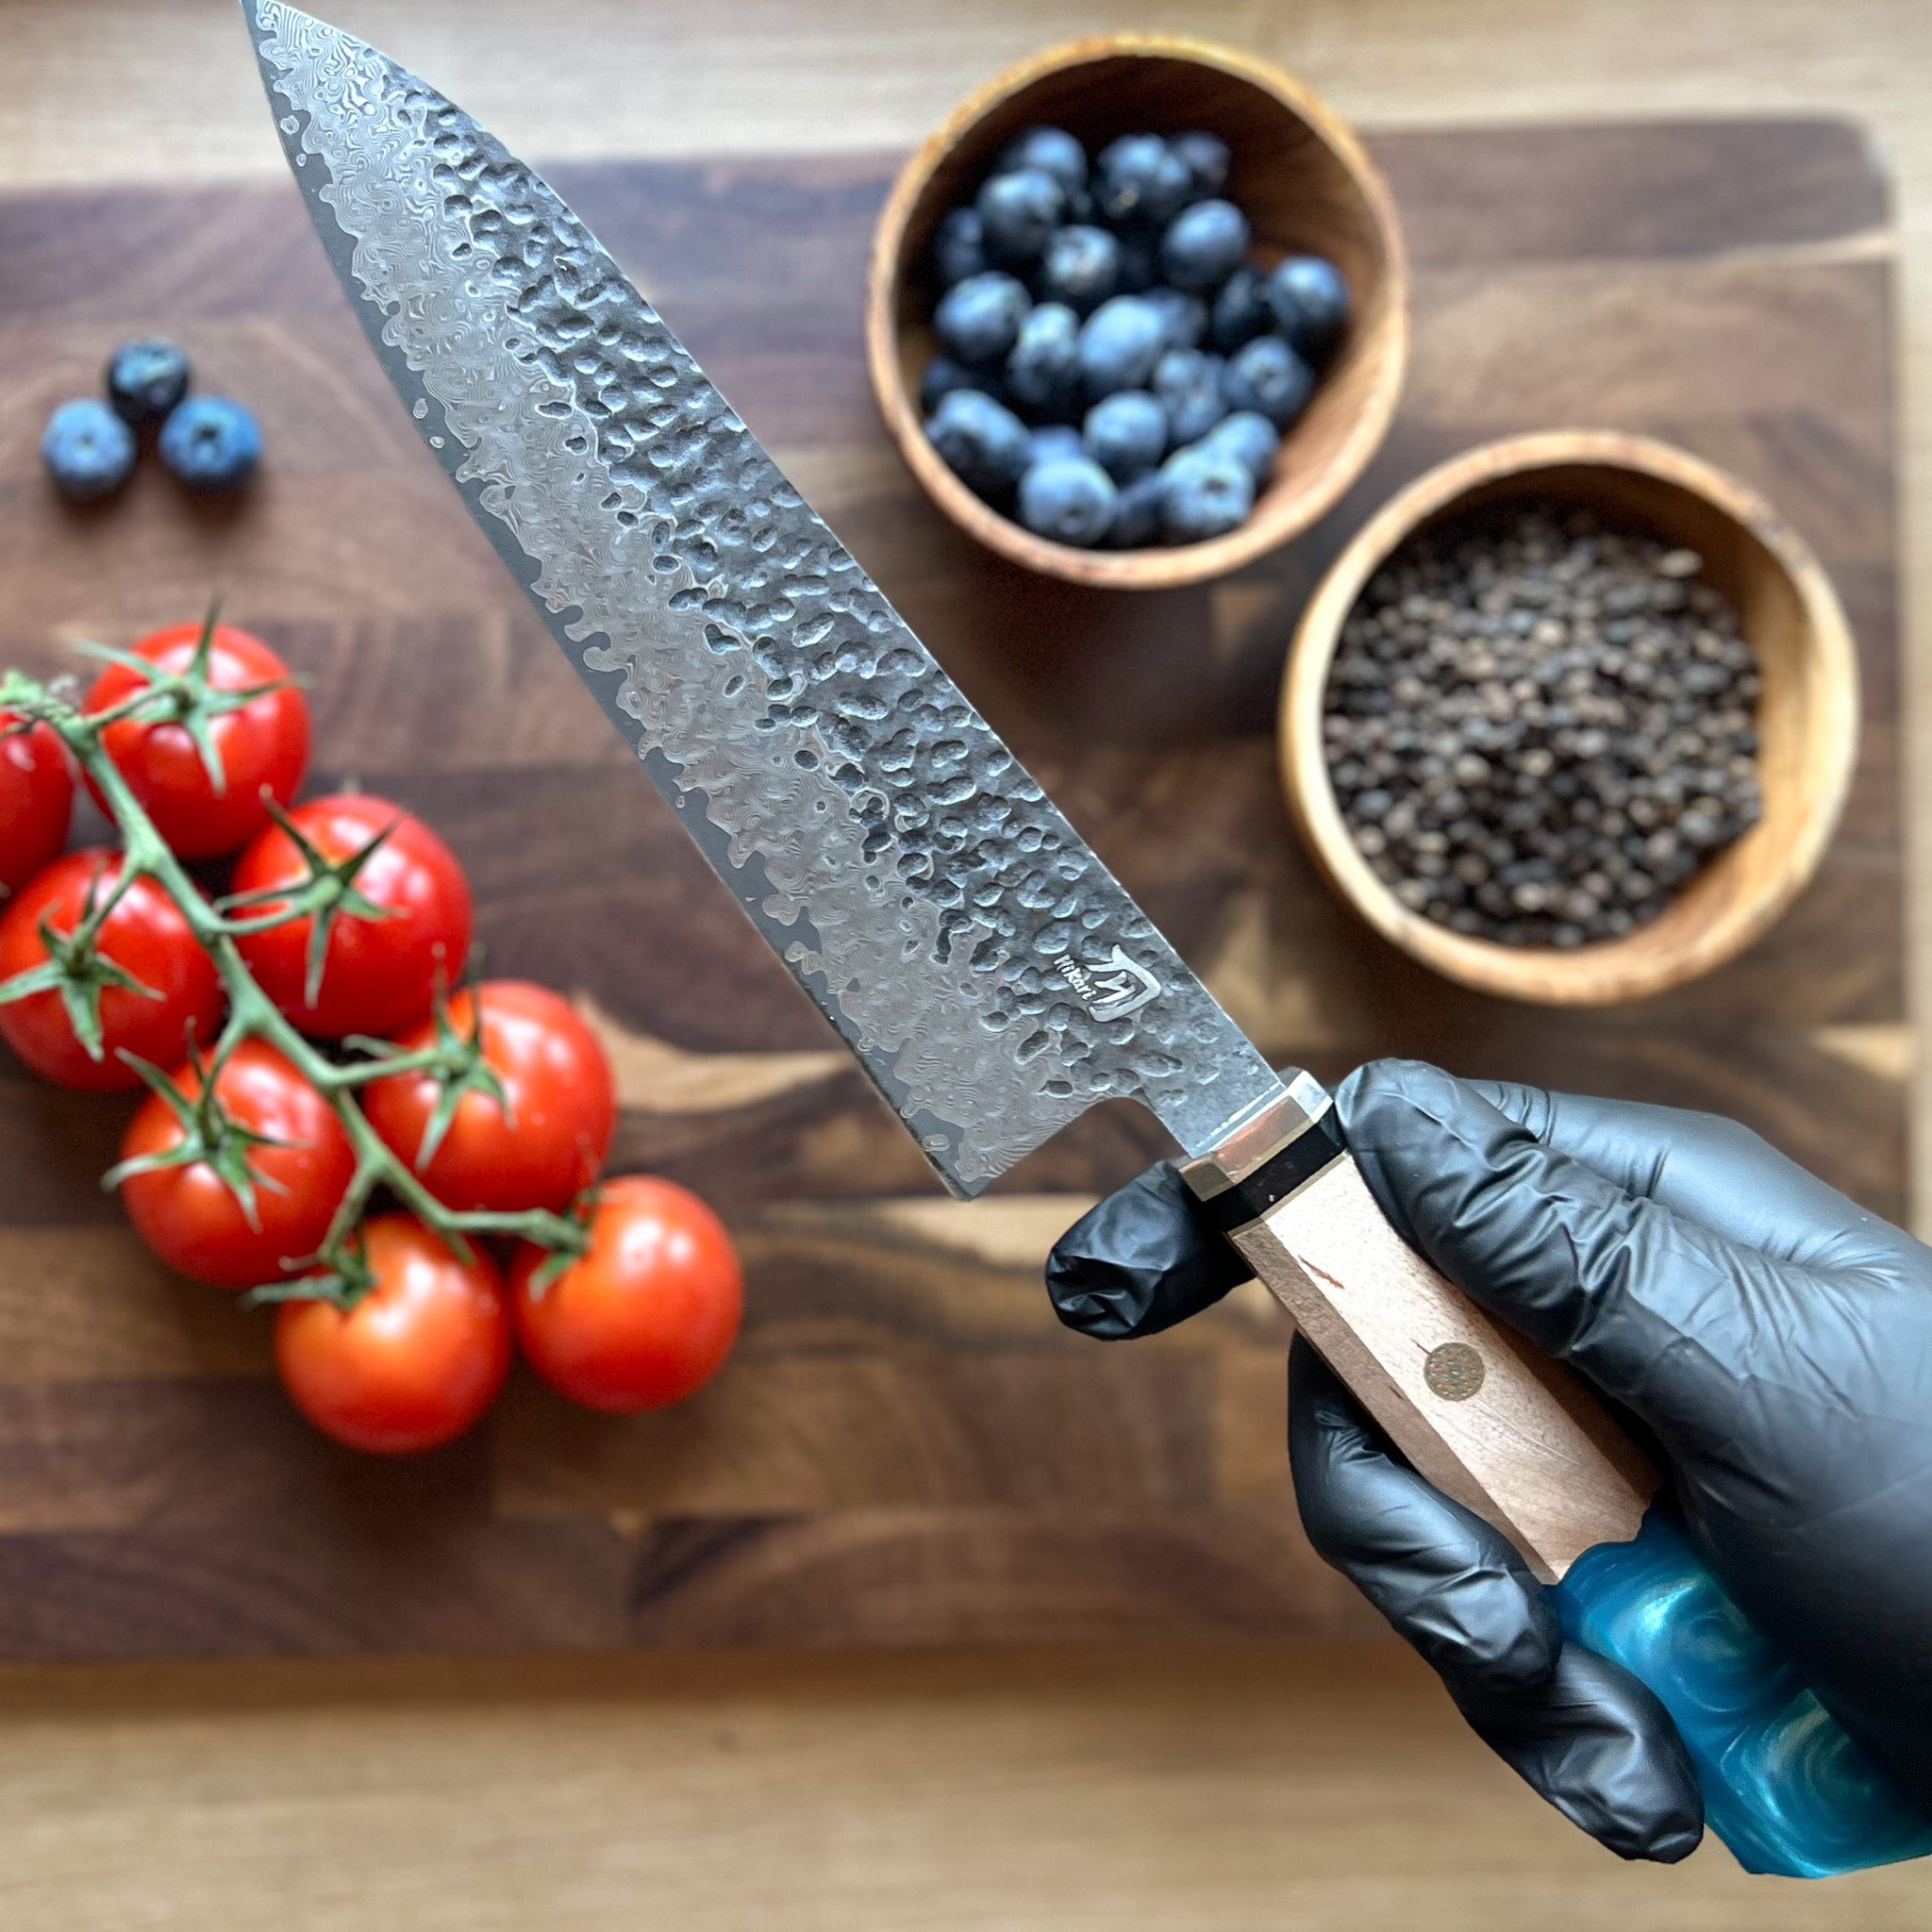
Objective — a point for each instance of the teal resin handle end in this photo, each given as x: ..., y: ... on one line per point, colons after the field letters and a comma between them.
x: 1784, y: 1785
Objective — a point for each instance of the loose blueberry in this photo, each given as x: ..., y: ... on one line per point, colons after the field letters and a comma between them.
x: 1079, y: 266
x: 1206, y: 158
x: 1267, y: 377
x: 941, y: 377
x: 979, y: 319
x: 1056, y: 439
x: 1120, y: 343
x: 87, y: 449
x: 1137, y: 513
x: 1044, y: 371
x: 1203, y: 494
x: 1309, y: 303
x: 1183, y: 318
x: 1068, y: 499
x: 1204, y: 244
x: 1126, y: 434
x: 146, y: 380
x: 1250, y: 438
x: 1188, y: 382
x: 1053, y: 151
x: 211, y: 442
x: 983, y: 442
x: 1240, y: 311
x: 1017, y: 213
x: 958, y: 248
x: 1140, y: 178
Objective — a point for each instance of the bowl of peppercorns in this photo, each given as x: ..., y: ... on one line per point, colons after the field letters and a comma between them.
x: 1137, y: 311
x: 1572, y: 719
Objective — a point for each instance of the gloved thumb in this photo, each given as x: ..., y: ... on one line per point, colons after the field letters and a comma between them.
x: 1652, y: 1307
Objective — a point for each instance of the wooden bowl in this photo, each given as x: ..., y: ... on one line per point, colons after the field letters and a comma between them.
x: 1807, y: 716
x: 1306, y: 186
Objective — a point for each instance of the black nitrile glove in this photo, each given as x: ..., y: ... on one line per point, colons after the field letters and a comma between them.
x: 1775, y: 1338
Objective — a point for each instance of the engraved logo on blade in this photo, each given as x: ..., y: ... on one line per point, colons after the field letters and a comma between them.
x: 1114, y: 991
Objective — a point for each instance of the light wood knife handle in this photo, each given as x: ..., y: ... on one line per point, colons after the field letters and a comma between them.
x: 1515, y: 1437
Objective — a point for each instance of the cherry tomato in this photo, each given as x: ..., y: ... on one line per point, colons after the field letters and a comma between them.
x: 193, y: 1220
x: 378, y: 974
x: 415, y: 1361
x: 262, y: 746
x: 36, y: 799
x: 562, y: 1106
x: 647, y: 1314
x: 146, y: 936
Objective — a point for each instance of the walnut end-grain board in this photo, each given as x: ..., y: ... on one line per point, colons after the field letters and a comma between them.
x: 905, y: 1448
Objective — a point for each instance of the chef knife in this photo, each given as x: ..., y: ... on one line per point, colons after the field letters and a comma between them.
x: 990, y: 975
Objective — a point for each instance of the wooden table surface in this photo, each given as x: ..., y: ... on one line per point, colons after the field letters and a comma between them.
x: 1313, y: 1786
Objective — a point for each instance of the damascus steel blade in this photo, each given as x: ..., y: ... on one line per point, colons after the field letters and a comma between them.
x: 991, y: 974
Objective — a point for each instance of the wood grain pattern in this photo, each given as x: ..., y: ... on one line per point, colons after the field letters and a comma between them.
x: 1298, y: 171
x: 1734, y: 323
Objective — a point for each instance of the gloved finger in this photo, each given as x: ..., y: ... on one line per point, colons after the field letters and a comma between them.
x: 1582, y: 1732
x: 1451, y: 1586
x: 1711, y: 1170
x: 1659, y: 1312
x: 1140, y: 1261
x: 1600, y: 1747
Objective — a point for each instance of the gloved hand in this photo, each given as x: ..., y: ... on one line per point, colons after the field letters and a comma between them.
x: 1774, y: 1339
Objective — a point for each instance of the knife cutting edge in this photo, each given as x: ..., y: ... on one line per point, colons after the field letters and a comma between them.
x: 989, y: 973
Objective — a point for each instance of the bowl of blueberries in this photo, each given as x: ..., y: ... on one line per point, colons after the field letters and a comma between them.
x: 1137, y: 311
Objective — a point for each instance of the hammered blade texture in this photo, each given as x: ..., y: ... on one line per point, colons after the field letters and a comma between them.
x: 987, y: 969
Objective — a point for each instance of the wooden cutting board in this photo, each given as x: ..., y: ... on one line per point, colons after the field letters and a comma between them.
x: 906, y: 1447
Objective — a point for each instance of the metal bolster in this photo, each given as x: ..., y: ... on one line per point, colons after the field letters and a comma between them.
x: 1235, y: 1188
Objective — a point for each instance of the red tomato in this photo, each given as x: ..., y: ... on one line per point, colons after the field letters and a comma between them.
x: 562, y: 1106
x: 264, y: 745
x: 192, y: 1218
x: 647, y: 1315
x: 146, y: 936
x: 415, y: 1361
x: 36, y: 799
x: 378, y: 974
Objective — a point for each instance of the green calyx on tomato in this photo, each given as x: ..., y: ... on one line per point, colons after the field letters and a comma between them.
x: 208, y: 1133
x: 454, y: 1062
x: 78, y: 969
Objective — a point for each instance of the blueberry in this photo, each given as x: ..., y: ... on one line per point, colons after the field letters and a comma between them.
x: 1126, y: 434
x: 1053, y: 151
x: 1250, y: 438
x: 87, y: 450
x: 983, y: 442
x: 1139, y: 266
x: 958, y: 248
x: 1068, y: 499
x: 1204, y: 244
x: 211, y: 442
x: 1017, y: 213
x: 1137, y: 513
x: 1205, y: 158
x: 1055, y: 440
x: 941, y: 377
x: 1241, y: 311
x: 1140, y: 178
x: 1203, y: 494
x: 1310, y: 302
x: 1044, y: 371
x: 1079, y: 266
x: 146, y: 380
x: 1269, y: 377
x: 1188, y: 382
x: 979, y: 319
x: 1183, y: 318
x: 1120, y: 343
